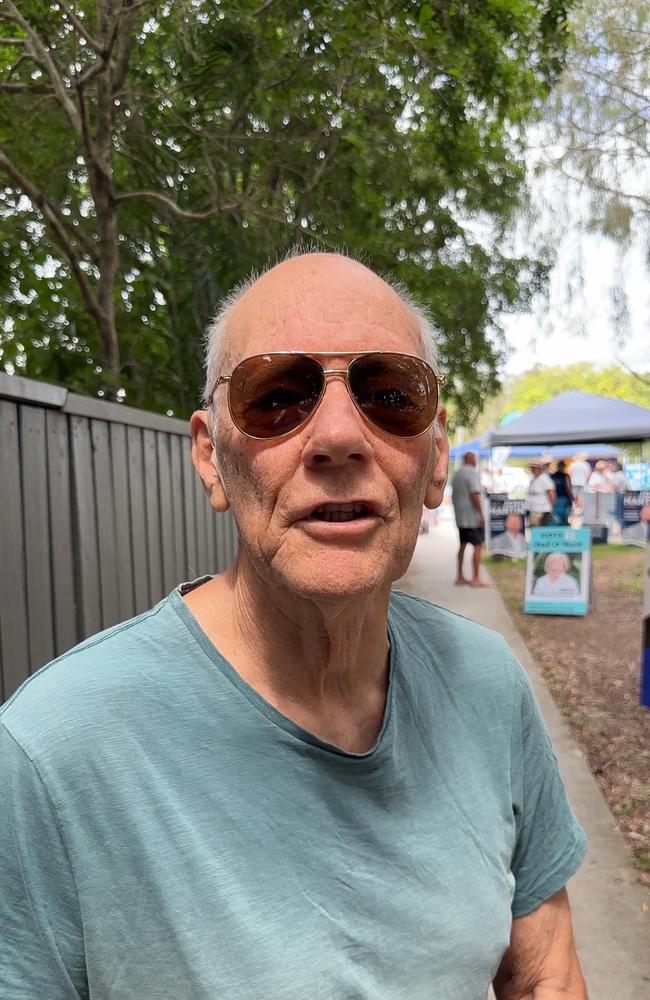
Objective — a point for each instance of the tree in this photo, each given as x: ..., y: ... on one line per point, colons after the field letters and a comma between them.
x: 153, y: 153
x: 545, y: 382
x: 600, y: 127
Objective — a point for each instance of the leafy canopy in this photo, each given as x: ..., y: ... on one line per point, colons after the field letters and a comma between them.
x: 178, y: 146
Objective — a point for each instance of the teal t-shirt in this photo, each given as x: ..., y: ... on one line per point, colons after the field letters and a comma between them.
x: 165, y: 834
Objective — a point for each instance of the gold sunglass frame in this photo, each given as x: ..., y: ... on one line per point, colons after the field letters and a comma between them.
x: 328, y: 373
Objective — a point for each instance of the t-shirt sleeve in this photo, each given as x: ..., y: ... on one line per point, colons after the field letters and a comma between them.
x: 42, y: 935
x: 474, y: 482
x: 550, y: 844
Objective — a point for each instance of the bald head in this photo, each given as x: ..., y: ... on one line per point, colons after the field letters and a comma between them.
x: 470, y: 458
x: 312, y: 302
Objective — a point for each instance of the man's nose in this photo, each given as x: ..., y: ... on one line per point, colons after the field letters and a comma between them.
x: 337, y: 433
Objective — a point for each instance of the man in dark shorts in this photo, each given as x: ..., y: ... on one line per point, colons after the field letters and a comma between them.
x: 466, y: 496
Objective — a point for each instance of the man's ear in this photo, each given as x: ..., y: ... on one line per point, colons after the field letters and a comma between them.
x: 205, y: 460
x: 436, y: 485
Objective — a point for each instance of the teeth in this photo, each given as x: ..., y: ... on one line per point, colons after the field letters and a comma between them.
x: 340, y: 511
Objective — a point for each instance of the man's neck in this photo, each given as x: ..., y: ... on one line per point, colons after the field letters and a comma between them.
x: 322, y: 664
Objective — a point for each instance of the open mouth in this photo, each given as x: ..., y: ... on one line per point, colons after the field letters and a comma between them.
x: 338, y: 512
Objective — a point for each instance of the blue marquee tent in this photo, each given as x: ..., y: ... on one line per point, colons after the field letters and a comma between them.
x: 576, y: 417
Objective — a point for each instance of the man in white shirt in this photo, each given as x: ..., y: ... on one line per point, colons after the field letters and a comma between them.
x: 579, y: 473
x: 541, y: 496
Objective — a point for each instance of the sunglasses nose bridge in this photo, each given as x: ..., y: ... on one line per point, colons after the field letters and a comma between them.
x: 334, y: 373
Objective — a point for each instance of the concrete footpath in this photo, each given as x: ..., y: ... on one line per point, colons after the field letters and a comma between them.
x: 611, y: 912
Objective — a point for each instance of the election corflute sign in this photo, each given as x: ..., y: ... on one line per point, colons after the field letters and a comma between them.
x: 558, y: 571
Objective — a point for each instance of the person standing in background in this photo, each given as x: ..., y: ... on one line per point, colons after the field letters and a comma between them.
x: 579, y: 473
x: 598, y: 481
x: 541, y: 496
x: 618, y: 483
x: 466, y: 498
x: 563, y: 493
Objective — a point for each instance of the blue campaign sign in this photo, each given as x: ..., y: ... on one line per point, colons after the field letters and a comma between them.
x: 504, y: 522
x: 558, y: 571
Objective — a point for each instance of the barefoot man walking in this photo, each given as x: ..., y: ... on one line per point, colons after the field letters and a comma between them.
x: 466, y: 496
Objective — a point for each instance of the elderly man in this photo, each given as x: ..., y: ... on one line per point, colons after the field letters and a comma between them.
x: 285, y: 781
x: 511, y: 542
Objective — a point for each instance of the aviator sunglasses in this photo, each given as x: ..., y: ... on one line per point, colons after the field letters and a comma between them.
x: 274, y: 394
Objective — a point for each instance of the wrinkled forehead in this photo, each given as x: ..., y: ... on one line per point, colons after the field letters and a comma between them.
x: 320, y: 303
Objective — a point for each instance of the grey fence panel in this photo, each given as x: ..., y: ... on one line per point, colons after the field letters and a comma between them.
x: 191, y: 545
x: 33, y: 449
x: 85, y: 512
x: 106, y: 530
x: 163, y: 452
x: 14, y: 630
x: 101, y: 514
x: 176, y: 444
x: 66, y: 631
x: 152, y: 505
x: 138, y: 519
x: 200, y: 507
x: 123, y: 548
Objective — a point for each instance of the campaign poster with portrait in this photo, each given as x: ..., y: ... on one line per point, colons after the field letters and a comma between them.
x: 505, y: 526
x: 636, y: 517
x: 558, y: 571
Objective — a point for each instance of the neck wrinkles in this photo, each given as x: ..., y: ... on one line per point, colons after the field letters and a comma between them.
x: 308, y: 651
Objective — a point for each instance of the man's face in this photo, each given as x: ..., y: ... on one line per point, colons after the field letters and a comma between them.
x: 555, y: 567
x: 325, y: 303
x: 512, y: 524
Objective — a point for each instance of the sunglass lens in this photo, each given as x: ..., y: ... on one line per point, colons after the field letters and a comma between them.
x: 397, y: 392
x: 271, y: 395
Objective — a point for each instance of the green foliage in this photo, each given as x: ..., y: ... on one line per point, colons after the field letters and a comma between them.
x: 542, y: 383
x: 393, y: 130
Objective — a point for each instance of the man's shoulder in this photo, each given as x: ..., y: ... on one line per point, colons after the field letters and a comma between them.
x: 451, y: 644
x: 92, y: 679
x: 466, y: 472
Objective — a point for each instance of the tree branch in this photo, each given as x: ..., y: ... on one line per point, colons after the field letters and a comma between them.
x: 58, y: 224
x: 636, y: 375
x: 41, y: 55
x: 81, y: 29
x: 13, y: 41
x: 262, y: 7
x: 33, y: 88
x: 591, y: 182
x: 182, y: 213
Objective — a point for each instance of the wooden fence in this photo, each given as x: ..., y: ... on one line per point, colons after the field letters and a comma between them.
x: 101, y: 515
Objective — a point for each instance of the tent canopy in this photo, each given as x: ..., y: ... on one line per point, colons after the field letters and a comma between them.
x: 478, y: 445
x: 576, y: 417
x: 527, y: 450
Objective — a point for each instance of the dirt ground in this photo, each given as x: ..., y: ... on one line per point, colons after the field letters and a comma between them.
x: 592, y: 667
